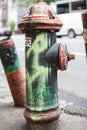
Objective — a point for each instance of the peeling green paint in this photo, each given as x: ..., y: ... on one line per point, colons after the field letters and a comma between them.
x: 42, y: 94
x: 35, y: 117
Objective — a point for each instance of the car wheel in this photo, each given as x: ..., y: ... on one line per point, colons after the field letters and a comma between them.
x: 71, y: 33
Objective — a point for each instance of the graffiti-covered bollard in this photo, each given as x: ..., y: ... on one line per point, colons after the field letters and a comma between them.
x: 84, y: 20
x: 13, y: 71
x: 43, y: 58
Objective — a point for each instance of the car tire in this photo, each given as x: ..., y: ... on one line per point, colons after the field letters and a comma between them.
x: 71, y: 33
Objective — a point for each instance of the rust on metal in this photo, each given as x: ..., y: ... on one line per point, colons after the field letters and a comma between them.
x: 42, y: 116
x: 13, y: 71
x: 41, y: 17
x: 71, y: 57
x: 7, y: 42
x: 17, y: 86
x: 64, y: 57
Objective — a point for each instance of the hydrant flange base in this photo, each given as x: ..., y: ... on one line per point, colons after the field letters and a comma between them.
x: 42, y: 116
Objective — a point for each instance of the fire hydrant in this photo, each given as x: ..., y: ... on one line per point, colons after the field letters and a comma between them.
x: 43, y: 58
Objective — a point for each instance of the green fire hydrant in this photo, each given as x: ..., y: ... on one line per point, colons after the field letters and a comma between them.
x: 43, y: 58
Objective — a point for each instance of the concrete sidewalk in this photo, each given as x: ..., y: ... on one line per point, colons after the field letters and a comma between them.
x: 11, y: 117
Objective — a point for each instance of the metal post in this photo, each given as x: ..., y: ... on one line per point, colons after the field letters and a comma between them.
x: 13, y: 71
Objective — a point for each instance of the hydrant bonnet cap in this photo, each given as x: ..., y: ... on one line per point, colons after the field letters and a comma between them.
x: 40, y: 16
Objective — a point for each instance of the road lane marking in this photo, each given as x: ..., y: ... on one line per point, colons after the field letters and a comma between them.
x: 79, y: 54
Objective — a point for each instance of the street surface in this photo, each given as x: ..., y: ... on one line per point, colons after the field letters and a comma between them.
x: 72, y: 83
x: 72, y: 91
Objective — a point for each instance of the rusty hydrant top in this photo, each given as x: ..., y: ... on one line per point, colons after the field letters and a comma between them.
x: 40, y: 16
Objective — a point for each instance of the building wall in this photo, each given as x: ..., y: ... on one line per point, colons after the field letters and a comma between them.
x: 8, y: 12
x: 12, y: 11
x: 3, y: 13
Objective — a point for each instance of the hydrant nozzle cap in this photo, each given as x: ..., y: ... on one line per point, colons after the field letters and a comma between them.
x: 40, y: 16
x: 71, y: 57
x: 64, y: 56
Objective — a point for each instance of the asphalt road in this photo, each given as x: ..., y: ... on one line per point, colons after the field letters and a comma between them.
x: 72, y: 83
